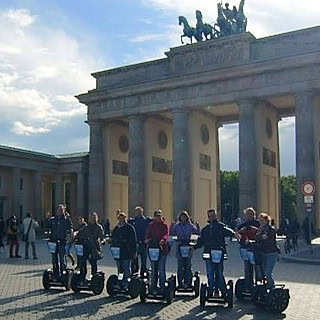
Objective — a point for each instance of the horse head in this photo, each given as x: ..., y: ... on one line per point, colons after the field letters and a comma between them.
x: 182, y: 20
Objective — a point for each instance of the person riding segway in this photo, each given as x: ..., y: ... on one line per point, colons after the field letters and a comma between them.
x: 182, y: 232
x: 60, y: 228
x: 140, y: 223
x: 246, y: 233
x: 158, y: 249
x: 123, y: 248
x: 88, y: 247
x: 212, y: 238
x: 265, y: 292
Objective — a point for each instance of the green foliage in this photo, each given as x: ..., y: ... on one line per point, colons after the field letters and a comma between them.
x: 288, y: 196
x: 229, y: 182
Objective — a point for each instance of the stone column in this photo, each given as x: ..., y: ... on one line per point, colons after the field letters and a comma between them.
x: 59, y: 189
x: 136, y: 167
x: 38, y: 214
x: 247, y: 155
x: 96, y: 169
x: 181, y: 162
x: 218, y: 175
x: 305, y: 166
x: 80, y: 194
x: 16, y: 192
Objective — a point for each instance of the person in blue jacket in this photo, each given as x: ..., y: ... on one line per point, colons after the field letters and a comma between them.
x: 140, y: 223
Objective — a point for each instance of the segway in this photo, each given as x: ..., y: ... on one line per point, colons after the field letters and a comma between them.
x: 216, y: 255
x: 241, y: 290
x: 149, y: 283
x: 63, y: 279
x: 95, y: 283
x: 184, y: 250
x: 275, y: 299
x: 115, y: 284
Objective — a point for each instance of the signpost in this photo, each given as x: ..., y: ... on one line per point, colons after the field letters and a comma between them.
x: 308, y: 190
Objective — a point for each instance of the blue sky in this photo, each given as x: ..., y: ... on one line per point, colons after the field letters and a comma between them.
x: 48, y: 48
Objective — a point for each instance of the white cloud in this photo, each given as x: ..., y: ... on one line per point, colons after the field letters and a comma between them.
x: 41, y: 69
x: 20, y: 129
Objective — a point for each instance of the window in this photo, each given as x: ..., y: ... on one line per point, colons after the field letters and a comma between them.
x: 21, y: 184
x: 0, y: 182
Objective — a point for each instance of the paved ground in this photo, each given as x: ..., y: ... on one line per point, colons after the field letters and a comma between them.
x: 22, y: 295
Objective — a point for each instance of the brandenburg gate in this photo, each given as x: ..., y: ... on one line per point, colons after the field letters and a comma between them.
x: 154, y: 126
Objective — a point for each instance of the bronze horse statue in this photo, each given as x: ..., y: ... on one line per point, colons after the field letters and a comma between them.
x: 188, y: 31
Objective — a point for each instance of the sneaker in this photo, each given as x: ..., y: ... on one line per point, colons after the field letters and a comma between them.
x: 11, y: 256
x: 35, y: 258
x: 17, y: 256
x: 26, y: 258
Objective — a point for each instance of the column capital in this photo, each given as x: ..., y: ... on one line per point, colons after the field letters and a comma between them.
x: 303, y: 93
x: 180, y: 110
x: 139, y: 117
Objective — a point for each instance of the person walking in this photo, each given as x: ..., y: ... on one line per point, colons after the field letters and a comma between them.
x: 29, y: 227
x: 13, y: 237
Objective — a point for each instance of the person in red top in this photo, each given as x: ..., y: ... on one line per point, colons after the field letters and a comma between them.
x: 156, y: 237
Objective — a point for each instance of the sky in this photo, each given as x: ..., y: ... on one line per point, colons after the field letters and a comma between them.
x: 49, y: 48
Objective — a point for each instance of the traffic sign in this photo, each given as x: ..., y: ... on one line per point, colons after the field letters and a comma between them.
x: 308, y: 188
x: 308, y: 199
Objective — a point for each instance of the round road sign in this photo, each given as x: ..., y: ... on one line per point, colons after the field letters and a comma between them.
x: 308, y: 188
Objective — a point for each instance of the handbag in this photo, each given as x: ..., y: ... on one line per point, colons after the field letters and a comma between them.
x: 25, y: 236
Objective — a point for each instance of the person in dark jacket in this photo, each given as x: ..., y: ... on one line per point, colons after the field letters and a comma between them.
x: 81, y: 224
x: 266, y: 239
x: 124, y: 237
x: 246, y: 232
x: 13, y: 237
x: 90, y: 236
x: 60, y: 228
x: 140, y: 223
x: 212, y: 237
x: 157, y: 236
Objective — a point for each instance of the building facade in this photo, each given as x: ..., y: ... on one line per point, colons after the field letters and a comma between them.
x: 36, y: 182
x: 154, y: 125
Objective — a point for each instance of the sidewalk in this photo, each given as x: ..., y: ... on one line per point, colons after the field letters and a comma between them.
x: 306, y: 254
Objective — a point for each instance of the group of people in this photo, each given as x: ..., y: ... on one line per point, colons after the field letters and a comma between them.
x: 13, y: 230
x: 135, y: 235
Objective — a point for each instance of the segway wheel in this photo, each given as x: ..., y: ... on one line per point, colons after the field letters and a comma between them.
x: 97, y: 284
x: 240, y: 288
x: 75, y: 279
x: 230, y: 294
x: 46, y: 280
x: 203, y: 295
x: 196, y: 286
x: 112, y: 281
x: 143, y: 292
x: 134, y: 288
x: 278, y: 300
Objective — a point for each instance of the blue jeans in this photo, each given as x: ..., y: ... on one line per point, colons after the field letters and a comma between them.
x: 123, y: 266
x: 268, y: 262
x: 215, y: 277
x: 158, y: 271
x: 184, y: 271
x: 60, y: 251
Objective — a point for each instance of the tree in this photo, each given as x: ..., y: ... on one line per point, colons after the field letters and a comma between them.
x: 288, y: 196
x: 229, y: 184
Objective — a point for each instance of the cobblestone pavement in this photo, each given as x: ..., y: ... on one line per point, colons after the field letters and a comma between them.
x: 22, y: 295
